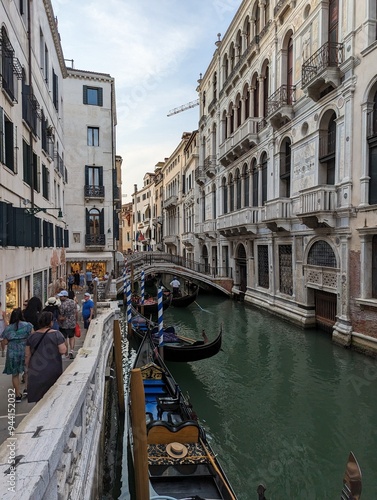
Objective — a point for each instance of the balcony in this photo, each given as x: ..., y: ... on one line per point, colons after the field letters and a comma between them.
x: 94, y: 192
x: 241, y: 141
x: 242, y: 222
x: 317, y: 206
x: 280, y: 106
x: 200, y: 177
x: 206, y: 229
x: 278, y: 214
x: 171, y: 239
x: 321, y: 72
x: 95, y: 240
x: 188, y: 239
x: 321, y: 278
x: 171, y: 202
x: 210, y: 166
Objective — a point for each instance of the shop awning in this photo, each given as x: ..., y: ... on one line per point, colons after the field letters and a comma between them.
x: 119, y: 257
x: 88, y: 256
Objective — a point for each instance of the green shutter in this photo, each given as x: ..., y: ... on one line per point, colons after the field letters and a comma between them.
x: 85, y: 94
x: 100, y: 96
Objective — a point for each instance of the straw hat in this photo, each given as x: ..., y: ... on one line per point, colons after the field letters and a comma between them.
x: 176, y: 450
x: 52, y: 301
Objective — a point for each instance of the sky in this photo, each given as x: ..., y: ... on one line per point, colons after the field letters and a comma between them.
x: 155, y: 50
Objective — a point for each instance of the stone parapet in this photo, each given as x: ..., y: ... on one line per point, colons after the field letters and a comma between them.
x: 55, y: 450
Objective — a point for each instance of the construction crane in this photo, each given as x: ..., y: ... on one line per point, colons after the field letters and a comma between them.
x: 189, y: 105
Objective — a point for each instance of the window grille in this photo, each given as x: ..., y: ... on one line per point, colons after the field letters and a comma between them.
x: 285, y: 269
x: 263, y: 272
x: 321, y: 254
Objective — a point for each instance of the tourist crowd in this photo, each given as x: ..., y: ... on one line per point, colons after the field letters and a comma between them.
x: 38, y: 337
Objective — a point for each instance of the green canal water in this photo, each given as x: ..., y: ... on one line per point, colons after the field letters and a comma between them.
x: 280, y: 405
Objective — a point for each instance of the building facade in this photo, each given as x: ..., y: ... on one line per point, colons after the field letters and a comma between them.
x: 33, y: 169
x: 93, y: 197
x: 287, y: 162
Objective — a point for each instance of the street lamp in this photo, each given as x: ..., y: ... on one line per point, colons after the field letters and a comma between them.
x: 35, y: 210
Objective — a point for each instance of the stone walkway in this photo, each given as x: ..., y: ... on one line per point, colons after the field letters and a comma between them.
x: 23, y: 408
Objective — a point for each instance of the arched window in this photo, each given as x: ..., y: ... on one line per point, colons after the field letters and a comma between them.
x: 225, y: 195
x: 215, y: 85
x: 372, y: 144
x: 224, y: 122
x: 264, y: 178
x: 255, y: 176
x: 266, y: 90
x: 327, y: 149
x: 231, y: 194
x: 246, y: 186
x: 256, y: 98
x: 214, y: 211
x: 238, y: 189
x: 231, y: 118
x: 239, y: 111
x: 285, y: 168
x: 321, y: 254
x: 246, y: 96
x: 94, y: 221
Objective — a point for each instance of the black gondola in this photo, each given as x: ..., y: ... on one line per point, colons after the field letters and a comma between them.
x: 171, y: 456
x: 176, y: 347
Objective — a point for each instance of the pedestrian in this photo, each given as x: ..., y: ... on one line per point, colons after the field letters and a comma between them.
x: 106, y: 276
x: 68, y: 319
x: 43, y: 357
x: 3, y: 324
x: 82, y: 280
x: 77, y: 279
x: 15, y: 336
x: 71, y: 281
x: 53, y: 304
x: 175, y: 284
x: 32, y: 311
x: 89, y: 279
x: 87, y: 310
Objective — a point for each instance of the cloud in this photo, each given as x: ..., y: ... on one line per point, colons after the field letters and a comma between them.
x: 155, y: 51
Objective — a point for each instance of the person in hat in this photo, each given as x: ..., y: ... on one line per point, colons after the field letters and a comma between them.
x: 52, y: 305
x: 87, y: 310
x: 175, y: 284
x: 68, y: 319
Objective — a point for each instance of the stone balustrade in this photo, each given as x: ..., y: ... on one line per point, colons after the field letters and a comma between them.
x: 56, y: 449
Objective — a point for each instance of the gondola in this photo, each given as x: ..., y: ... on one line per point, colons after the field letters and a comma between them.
x: 176, y: 347
x: 186, y: 300
x: 151, y: 304
x: 171, y: 456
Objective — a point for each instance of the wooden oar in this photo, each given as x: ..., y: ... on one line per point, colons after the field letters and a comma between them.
x: 186, y: 339
x: 217, y: 470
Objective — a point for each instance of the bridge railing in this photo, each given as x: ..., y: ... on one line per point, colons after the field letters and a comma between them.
x: 150, y: 258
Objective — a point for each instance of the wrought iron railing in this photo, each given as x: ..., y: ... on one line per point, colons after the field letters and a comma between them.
x: 94, y: 191
x: 372, y: 124
x: 149, y: 258
x: 329, y: 55
x: 284, y: 95
x: 95, y: 240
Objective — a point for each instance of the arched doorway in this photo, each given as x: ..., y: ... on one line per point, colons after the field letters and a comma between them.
x: 322, y: 275
x: 241, y: 268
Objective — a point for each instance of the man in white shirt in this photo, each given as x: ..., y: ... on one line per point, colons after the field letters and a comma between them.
x: 175, y: 284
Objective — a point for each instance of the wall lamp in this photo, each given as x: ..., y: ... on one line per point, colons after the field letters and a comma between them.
x: 35, y: 210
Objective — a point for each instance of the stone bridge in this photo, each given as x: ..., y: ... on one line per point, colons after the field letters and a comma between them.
x: 164, y: 263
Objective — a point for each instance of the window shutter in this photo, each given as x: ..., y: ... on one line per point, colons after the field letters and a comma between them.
x: 100, y: 175
x: 373, y: 175
x: 100, y: 96
x: 87, y: 221
x: 86, y: 175
x: 66, y: 238
x: 37, y: 233
x: 2, y: 137
x: 3, y: 224
x: 85, y: 94
x: 101, y: 222
x: 45, y: 234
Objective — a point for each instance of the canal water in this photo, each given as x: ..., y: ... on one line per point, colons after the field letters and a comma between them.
x: 281, y: 405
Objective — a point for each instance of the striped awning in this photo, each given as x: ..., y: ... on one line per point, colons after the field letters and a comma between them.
x: 88, y: 256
